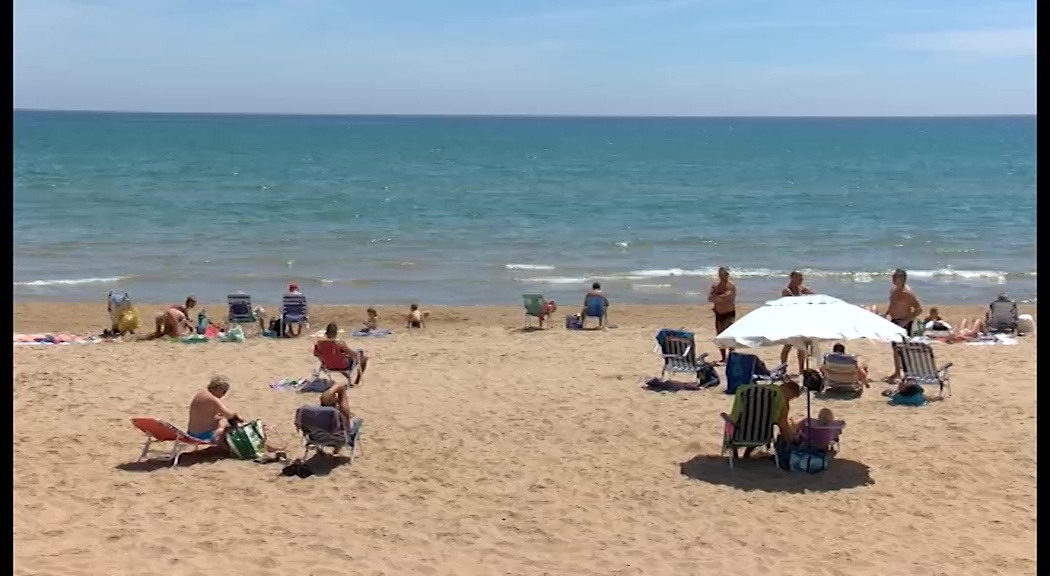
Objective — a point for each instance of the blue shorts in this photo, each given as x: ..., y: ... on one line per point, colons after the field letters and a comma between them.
x: 207, y: 435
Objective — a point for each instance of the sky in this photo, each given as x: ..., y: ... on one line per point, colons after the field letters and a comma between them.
x: 541, y: 57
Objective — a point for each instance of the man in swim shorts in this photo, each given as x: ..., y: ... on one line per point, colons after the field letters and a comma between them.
x: 795, y: 287
x: 722, y: 297
x: 207, y: 412
x: 174, y: 321
x: 904, y: 308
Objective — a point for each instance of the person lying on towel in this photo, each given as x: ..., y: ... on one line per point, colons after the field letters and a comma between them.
x: 335, y: 355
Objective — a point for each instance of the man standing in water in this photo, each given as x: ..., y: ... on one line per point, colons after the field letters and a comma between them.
x: 794, y: 288
x: 722, y: 297
x: 903, y: 310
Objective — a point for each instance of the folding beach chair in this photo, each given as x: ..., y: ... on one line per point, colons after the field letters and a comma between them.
x: 594, y: 307
x: 743, y: 369
x: 918, y: 365
x: 822, y: 435
x: 241, y: 312
x: 293, y: 311
x: 840, y: 373
x: 161, y: 431
x: 325, y: 426
x: 678, y: 350
x: 333, y: 360
x: 750, y: 424
x: 1002, y: 316
x: 535, y: 308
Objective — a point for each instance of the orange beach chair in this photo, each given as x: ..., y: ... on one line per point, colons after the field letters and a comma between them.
x: 161, y: 431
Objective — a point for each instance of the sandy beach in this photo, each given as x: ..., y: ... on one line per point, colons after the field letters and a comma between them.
x: 492, y: 450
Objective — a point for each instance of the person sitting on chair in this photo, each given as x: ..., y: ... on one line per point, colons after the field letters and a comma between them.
x: 838, y: 352
x: 335, y: 355
x: 595, y: 292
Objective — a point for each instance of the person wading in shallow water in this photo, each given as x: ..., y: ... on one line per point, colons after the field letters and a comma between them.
x: 722, y: 297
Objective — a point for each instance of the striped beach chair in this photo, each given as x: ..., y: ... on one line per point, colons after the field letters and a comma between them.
x: 840, y: 373
x: 294, y: 311
x: 678, y: 350
x: 750, y: 424
x: 918, y: 366
x: 241, y: 312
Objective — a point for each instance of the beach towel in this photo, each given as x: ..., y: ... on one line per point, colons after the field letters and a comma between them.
x: 24, y: 339
x: 376, y: 332
x: 986, y: 339
x: 235, y: 334
x: 192, y: 339
x: 288, y: 384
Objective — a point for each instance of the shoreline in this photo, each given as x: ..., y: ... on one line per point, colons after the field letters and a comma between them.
x: 91, y: 317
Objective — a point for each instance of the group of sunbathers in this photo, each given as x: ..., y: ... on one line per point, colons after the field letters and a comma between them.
x: 210, y: 418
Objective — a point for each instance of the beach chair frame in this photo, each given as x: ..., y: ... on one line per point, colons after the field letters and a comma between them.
x: 757, y: 420
x: 316, y: 439
x: 851, y: 383
x: 534, y: 308
x: 918, y: 366
x: 996, y: 323
x: 179, y: 439
x: 679, y: 356
x: 300, y: 311
x: 777, y: 374
x: 235, y: 315
x: 603, y: 318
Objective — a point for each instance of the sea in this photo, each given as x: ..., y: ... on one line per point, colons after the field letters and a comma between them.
x: 479, y: 210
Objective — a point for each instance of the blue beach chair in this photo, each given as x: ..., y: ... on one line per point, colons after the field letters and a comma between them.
x: 293, y: 311
x: 743, y: 369
x: 241, y: 312
x: 595, y: 306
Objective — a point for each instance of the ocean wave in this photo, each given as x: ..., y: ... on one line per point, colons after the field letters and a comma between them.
x: 528, y: 267
x: 859, y: 276
x: 73, y: 281
x: 645, y: 287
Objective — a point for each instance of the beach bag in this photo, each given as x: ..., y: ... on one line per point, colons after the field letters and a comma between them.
x: 573, y: 322
x: 246, y: 440
x: 235, y: 334
x: 808, y: 459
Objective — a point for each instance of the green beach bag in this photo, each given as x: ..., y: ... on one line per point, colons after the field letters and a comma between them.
x: 247, y: 440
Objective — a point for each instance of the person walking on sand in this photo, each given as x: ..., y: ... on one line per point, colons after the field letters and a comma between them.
x: 722, y: 297
x: 795, y: 287
x: 904, y: 308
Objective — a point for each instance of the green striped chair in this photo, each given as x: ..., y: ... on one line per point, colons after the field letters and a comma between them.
x: 750, y: 424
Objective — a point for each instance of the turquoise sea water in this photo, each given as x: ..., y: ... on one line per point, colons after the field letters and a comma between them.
x: 479, y: 210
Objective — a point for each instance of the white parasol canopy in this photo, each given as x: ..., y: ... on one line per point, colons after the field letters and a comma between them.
x: 803, y: 320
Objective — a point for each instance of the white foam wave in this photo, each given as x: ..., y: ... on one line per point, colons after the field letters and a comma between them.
x: 711, y: 271
x: 73, y: 281
x: 552, y: 280
x: 528, y: 267
x: 644, y: 287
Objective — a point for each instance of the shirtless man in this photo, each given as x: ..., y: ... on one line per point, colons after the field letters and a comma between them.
x: 207, y: 412
x: 722, y: 297
x: 331, y: 349
x: 794, y: 288
x: 903, y: 309
x: 174, y: 321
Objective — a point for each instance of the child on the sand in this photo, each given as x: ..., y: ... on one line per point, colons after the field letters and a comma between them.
x: 415, y: 318
x: 372, y: 323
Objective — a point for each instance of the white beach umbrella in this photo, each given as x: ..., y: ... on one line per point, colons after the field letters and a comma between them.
x: 804, y: 320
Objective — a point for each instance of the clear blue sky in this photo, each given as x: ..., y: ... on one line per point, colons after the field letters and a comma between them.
x: 602, y: 57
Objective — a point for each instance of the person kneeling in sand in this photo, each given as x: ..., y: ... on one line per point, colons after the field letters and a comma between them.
x: 174, y: 321
x: 336, y: 356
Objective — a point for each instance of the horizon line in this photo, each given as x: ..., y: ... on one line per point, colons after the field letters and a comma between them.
x: 536, y: 116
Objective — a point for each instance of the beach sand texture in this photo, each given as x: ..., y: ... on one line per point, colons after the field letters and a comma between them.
x: 488, y: 450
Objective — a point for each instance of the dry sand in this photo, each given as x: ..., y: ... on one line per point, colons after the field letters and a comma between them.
x: 488, y: 450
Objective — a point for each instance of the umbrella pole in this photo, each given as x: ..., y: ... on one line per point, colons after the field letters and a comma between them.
x: 809, y: 414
